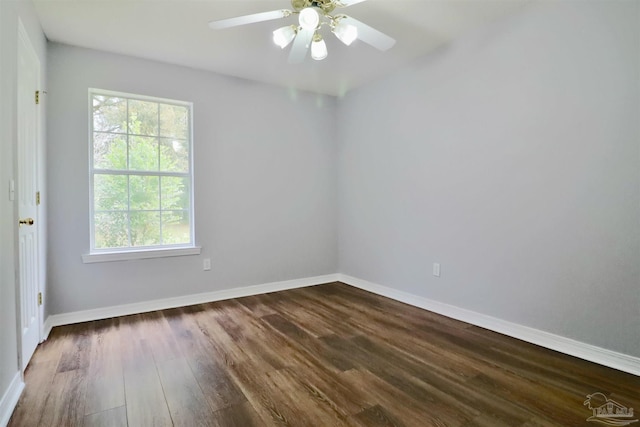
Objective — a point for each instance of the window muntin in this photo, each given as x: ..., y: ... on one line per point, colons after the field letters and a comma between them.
x: 141, y: 172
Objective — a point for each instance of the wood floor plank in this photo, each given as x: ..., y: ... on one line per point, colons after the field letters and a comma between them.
x: 157, y: 334
x: 329, y: 355
x: 65, y: 402
x: 317, y: 407
x: 334, y: 387
x: 264, y: 401
x: 52, y: 349
x: 104, y: 392
x: 116, y: 417
x: 302, y: 341
x: 77, y: 355
x: 258, y: 305
x: 277, y: 397
x: 194, y: 340
x: 134, y: 349
x: 240, y: 415
x: 254, y: 335
x: 412, y: 411
x: 38, y: 384
x: 105, y: 378
x: 293, y: 308
x: 412, y: 377
x: 560, y: 406
x: 204, y: 359
x: 377, y: 416
x: 216, y: 384
x: 187, y: 404
x: 105, y: 352
x: 233, y: 345
x: 489, y: 421
x: 535, y: 422
x: 308, y: 302
x: 146, y: 405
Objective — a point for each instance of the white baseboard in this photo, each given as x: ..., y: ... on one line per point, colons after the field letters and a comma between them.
x: 182, y: 301
x: 612, y: 359
x: 10, y: 399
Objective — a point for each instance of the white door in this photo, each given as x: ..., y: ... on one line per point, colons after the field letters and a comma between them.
x: 27, y: 145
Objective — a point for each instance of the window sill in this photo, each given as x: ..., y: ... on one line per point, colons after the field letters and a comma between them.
x: 141, y: 254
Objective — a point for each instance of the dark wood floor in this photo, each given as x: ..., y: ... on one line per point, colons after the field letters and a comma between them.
x: 328, y: 355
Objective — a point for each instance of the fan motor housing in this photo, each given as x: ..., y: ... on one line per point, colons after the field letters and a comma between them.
x: 327, y: 6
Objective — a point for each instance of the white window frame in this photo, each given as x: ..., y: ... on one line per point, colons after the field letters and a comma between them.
x: 138, y: 252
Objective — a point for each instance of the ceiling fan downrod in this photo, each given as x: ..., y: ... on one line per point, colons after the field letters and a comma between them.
x: 327, y: 6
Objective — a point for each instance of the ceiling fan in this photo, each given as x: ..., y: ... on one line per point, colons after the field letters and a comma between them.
x: 312, y: 16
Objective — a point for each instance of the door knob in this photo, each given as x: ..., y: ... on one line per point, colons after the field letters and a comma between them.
x: 26, y: 221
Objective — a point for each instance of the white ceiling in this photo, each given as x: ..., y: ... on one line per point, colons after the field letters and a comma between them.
x: 176, y: 31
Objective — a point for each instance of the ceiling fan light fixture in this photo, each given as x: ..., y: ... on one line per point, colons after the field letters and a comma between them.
x: 309, y: 18
x: 284, y: 35
x: 346, y: 33
x: 318, y: 48
x: 305, y: 35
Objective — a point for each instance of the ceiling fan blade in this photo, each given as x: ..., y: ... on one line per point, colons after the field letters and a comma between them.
x: 345, y: 3
x: 300, y: 46
x: 249, y: 19
x: 370, y: 35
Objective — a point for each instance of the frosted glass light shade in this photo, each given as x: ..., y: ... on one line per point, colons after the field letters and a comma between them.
x: 346, y: 33
x: 309, y: 18
x: 284, y: 35
x: 318, y: 48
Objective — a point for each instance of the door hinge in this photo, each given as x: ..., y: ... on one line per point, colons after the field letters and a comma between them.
x: 39, y: 298
x: 37, y: 97
x: 37, y: 197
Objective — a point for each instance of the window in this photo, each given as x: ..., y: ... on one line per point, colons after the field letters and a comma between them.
x: 141, y: 173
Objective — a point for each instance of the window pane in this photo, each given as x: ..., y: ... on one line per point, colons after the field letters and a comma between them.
x: 143, y: 153
x: 109, y: 151
x: 176, y: 227
x: 110, y: 192
x: 143, y: 118
x: 174, y: 121
x: 135, y: 143
x: 111, y: 230
x: 174, y: 155
x: 109, y: 114
x: 144, y: 193
x: 145, y: 228
x: 175, y: 193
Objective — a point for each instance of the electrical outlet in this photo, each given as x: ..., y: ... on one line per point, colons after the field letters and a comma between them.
x: 206, y: 264
x: 436, y: 269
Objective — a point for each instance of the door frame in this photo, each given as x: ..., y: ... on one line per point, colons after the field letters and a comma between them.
x: 23, y: 40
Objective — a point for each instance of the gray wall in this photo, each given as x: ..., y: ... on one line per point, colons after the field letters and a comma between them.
x: 265, y: 183
x: 10, y: 12
x: 512, y: 157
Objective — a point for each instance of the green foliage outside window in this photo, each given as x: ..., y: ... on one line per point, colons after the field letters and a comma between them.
x: 141, y: 173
